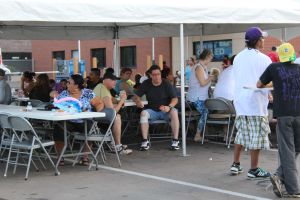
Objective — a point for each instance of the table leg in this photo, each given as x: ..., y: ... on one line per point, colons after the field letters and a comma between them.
x: 65, y: 147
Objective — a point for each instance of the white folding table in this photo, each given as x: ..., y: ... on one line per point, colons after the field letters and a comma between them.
x: 52, y: 116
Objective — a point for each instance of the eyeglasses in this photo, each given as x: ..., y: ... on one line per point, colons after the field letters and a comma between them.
x: 156, y: 74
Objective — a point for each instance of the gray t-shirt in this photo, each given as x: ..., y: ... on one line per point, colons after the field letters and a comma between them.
x: 5, y: 92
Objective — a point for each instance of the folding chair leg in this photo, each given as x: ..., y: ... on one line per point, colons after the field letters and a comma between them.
x: 16, y: 162
x: 8, y: 158
x: 231, y: 134
x: 100, y: 147
x: 117, y: 153
x: 51, y: 161
x: 228, y: 129
x: 103, y: 156
x: 42, y: 163
x: 125, y: 129
x: 29, y: 162
x: 94, y: 157
x: 203, y: 132
x: 35, y: 165
x: 77, y: 156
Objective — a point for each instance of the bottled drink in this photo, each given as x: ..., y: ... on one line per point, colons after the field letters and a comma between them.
x: 29, y: 106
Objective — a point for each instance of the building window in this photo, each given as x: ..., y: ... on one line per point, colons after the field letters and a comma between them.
x: 128, y: 56
x: 16, y: 56
x: 100, y: 55
x: 218, y: 47
x: 75, y: 54
x: 58, y: 55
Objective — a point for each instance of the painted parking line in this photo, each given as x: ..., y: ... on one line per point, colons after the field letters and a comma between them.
x: 203, y: 187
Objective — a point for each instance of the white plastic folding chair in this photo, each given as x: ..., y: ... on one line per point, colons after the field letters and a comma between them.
x: 225, y: 114
x: 98, y: 137
x: 6, y: 134
x: 25, y: 141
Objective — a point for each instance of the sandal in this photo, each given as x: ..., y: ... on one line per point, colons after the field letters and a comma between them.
x: 84, y: 162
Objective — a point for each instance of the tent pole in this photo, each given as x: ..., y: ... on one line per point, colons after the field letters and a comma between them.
x: 182, y: 91
x: 283, y: 34
x: 79, y: 51
x: 187, y: 48
x: 153, y: 51
x: 116, y: 51
x: 201, y: 39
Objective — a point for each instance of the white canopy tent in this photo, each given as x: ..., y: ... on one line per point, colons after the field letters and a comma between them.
x: 114, y: 19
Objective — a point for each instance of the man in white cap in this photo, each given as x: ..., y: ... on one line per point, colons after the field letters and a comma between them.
x: 285, y: 76
x: 5, y: 90
x: 251, y: 105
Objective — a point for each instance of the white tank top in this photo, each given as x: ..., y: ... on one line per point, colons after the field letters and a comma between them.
x: 196, y: 91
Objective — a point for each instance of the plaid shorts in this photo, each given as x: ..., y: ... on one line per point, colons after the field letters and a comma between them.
x: 252, y: 132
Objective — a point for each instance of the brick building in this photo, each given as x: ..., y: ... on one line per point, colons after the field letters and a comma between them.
x: 133, y: 52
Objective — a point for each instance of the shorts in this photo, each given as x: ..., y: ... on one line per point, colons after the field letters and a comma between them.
x: 252, y: 132
x: 157, y: 115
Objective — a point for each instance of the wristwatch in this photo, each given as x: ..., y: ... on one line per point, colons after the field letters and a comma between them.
x: 171, y: 107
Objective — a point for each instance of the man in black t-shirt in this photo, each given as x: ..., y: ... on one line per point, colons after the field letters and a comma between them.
x: 285, y: 76
x: 162, y: 99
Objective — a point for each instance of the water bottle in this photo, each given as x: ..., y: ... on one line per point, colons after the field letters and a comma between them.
x: 29, y: 106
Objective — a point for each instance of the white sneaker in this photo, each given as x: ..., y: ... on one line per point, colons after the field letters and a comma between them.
x: 123, y: 150
x: 145, y: 145
x: 236, y: 169
x: 175, y: 145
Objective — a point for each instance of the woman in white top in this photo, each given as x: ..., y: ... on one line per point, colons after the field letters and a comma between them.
x: 198, y: 88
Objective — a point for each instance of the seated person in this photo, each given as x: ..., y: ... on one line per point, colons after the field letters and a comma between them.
x: 137, y: 80
x: 5, y: 90
x: 94, y: 78
x: 52, y: 84
x: 225, y: 85
x: 88, y: 99
x: 167, y: 74
x: 162, y: 99
x: 27, y: 82
x: 102, y: 90
x: 123, y: 84
x: 62, y: 85
x: 41, y: 89
x: 215, y: 72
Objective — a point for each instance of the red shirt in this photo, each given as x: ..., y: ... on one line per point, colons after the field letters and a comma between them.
x: 274, y: 56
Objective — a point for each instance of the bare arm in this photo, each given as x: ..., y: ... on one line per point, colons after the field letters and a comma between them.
x: 53, y: 94
x: 138, y: 101
x: 109, y: 104
x: 97, y: 103
x: 200, y: 76
x: 173, y: 102
x: 167, y: 108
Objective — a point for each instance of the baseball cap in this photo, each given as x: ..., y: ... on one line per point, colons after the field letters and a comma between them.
x: 2, y: 72
x: 254, y: 33
x: 286, y: 53
x: 109, y: 76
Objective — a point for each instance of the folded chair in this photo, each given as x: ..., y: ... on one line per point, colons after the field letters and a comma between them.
x: 98, y: 137
x: 25, y: 141
x: 220, y: 111
x: 6, y: 134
